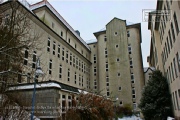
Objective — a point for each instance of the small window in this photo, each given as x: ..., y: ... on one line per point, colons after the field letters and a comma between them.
x: 105, y: 39
x: 61, y: 33
x: 50, y: 67
x: 94, y: 46
x: 133, y: 96
x: 69, y: 40
x: 117, y: 59
x: 119, y: 74
x: 129, y: 49
x: 120, y: 102
x: 117, y: 46
x: 119, y: 88
x: 107, y: 93
x: 115, y: 33
x: 128, y: 34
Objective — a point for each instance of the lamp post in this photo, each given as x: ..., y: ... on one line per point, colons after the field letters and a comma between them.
x: 37, y: 73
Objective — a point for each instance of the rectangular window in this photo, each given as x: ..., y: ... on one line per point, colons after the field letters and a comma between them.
x: 26, y: 57
x: 106, y: 52
x: 62, y: 53
x: 60, y: 71
x: 173, y: 100
x: 61, y: 34
x: 105, y: 39
x: 168, y: 44
x: 77, y: 63
x: 95, y: 84
x: 162, y: 56
x: 178, y: 60
x: 95, y: 71
x: 128, y: 34
x: 131, y: 63
x: 75, y: 78
x: 69, y: 40
x: 67, y: 54
x: 170, y: 76
x: 82, y: 81
x: 54, y: 47
x: 172, y: 70
x: 58, y: 51
x: 129, y: 49
x: 107, y: 78
x: 79, y: 80
x: 170, y: 39
x: 177, y: 100
x: 176, y: 23
x: 68, y: 74
x: 132, y: 78
x: 34, y: 60
x: 174, y: 62
x: 48, y: 44
x: 106, y: 66
x: 70, y: 58
x: 94, y: 58
x: 50, y: 66
x: 166, y: 50
x: 133, y: 91
x: 74, y: 61
x: 82, y: 67
x: 172, y: 30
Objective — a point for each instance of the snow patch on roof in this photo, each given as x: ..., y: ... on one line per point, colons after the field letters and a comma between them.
x: 31, y: 86
x: 91, y: 41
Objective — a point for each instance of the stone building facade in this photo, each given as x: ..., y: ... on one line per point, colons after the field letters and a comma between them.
x: 111, y: 66
x: 164, y: 49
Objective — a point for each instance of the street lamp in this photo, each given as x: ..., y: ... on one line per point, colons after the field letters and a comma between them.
x: 37, y: 73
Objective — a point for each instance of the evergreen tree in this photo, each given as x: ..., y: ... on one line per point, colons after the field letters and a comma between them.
x: 156, y: 99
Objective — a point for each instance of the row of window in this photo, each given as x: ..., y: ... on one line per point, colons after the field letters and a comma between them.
x: 81, y: 78
x: 173, y: 69
x: 128, y: 35
x: 69, y: 58
x: 163, y: 27
x: 58, y: 49
x: 26, y: 57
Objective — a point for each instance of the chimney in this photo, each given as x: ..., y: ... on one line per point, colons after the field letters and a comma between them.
x: 77, y: 31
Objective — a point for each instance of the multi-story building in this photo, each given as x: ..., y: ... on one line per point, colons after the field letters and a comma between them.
x: 165, y: 40
x: 111, y: 66
x: 117, y: 69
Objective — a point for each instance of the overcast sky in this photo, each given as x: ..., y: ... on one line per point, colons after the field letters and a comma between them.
x: 89, y: 16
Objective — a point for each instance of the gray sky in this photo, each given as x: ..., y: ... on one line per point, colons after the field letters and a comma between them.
x: 89, y: 16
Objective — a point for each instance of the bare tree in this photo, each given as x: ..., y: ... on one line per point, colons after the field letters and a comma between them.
x: 17, y: 33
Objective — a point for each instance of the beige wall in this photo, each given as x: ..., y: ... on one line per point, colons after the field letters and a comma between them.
x: 119, y: 72
x: 161, y: 45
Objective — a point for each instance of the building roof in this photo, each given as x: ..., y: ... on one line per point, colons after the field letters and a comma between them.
x: 149, y: 68
x: 128, y: 25
x: 91, y: 41
x: 51, y: 8
x: 44, y: 84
